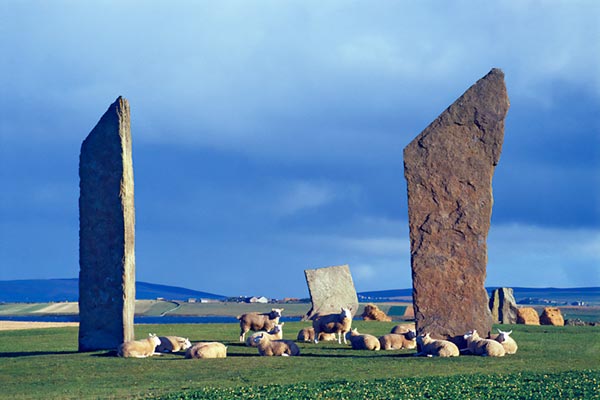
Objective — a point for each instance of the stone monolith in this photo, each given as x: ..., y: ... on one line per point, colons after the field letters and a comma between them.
x: 106, y: 233
x: 330, y: 289
x: 503, y: 306
x: 448, y: 168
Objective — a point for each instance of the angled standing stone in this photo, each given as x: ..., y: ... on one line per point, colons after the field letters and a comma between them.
x: 330, y: 289
x: 448, y: 169
x: 106, y: 233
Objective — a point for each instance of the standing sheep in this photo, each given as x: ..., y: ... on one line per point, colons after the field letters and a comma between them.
x: 172, y: 344
x: 362, y: 342
x: 436, y: 348
x: 509, y: 344
x: 207, y: 350
x: 483, y: 347
x: 257, y: 322
x: 333, y: 323
x: 274, y: 334
x: 397, y: 341
x: 268, y: 347
x: 308, y: 335
x: 139, y: 348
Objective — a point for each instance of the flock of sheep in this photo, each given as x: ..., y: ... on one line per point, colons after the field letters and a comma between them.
x: 268, y: 339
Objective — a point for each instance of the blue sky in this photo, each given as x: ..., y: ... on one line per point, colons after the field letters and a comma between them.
x: 268, y: 135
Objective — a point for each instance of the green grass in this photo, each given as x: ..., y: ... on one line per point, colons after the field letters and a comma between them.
x: 561, y: 361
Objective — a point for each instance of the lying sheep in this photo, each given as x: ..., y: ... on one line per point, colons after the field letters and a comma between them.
x: 395, y: 341
x: 362, y: 342
x: 436, y: 348
x: 207, y: 350
x: 172, y: 344
x: 483, y: 347
x: 403, y: 328
x: 333, y: 323
x: 139, y: 348
x: 274, y: 334
x: 268, y: 347
x: 509, y: 344
x: 308, y: 335
x: 258, y: 322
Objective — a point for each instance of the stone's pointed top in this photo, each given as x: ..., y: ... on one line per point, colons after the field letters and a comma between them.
x: 496, y: 71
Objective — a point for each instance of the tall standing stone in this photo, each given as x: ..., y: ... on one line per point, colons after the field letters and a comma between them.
x: 503, y: 306
x: 330, y: 289
x: 106, y: 233
x: 448, y: 169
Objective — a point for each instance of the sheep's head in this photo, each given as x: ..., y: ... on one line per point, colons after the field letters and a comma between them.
x: 471, y: 335
x: 155, y: 339
x: 410, y: 335
x: 278, y: 328
x: 258, y: 338
x: 502, y: 336
x: 185, y: 344
x: 346, y: 313
x: 422, y: 338
x: 276, y: 312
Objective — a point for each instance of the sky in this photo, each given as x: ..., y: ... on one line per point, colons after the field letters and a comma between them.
x: 268, y: 135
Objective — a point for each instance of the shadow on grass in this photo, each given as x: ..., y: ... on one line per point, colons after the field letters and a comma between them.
x: 35, y: 353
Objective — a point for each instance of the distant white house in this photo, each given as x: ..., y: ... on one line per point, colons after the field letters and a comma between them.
x: 261, y: 299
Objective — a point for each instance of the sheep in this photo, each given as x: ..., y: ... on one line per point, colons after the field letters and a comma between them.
x: 268, y: 347
x: 509, y: 344
x: 172, y: 344
x: 403, y: 328
x: 139, y: 348
x: 207, y: 350
x: 275, y: 334
x: 257, y: 322
x: 308, y: 335
x: 362, y: 342
x: 483, y: 347
x: 333, y: 323
x: 395, y: 341
x: 436, y: 348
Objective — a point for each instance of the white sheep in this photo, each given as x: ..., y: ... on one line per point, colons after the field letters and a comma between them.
x: 139, y: 348
x: 274, y: 334
x: 509, y: 344
x: 397, y: 341
x: 483, y: 347
x: 207, y: 350
x: 172, y: 344
x: 362, y: 341
x: 436, y: 348
x: 258, y: 321
x: 339, y: 324
x: 403, y: 328
x: 308, y: 335
x: 268, y: 347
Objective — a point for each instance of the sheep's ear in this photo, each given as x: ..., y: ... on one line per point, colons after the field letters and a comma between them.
x: 283, y: 323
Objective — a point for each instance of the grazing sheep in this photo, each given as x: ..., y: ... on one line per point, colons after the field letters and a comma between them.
x: 258, y: 322
x: 172, y: 344
x: 274, y: 334
x: 397, y: 341
x: 483, y: 347
x: 403, y: 328
x: 139, y: 348
x: 436, y: 348
x: 207, y: 350
x: 362, y: 342
x: 509, y: 344
x: 268, y: 347
x: 308, y: 335
x: 333, y: 323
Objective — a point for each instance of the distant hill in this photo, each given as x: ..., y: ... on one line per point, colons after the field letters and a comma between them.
x: 55, y: 290
x: 588, y: 295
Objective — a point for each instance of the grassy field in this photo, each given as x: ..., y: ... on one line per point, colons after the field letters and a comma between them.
x: 552, y: 362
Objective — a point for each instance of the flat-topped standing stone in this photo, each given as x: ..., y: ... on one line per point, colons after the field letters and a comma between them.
x: 106, y: 233
x: 503, y: 306
x: 448, y: 169
x: 330, y: 289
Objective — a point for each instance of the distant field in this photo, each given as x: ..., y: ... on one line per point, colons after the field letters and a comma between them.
x: 552, y: 362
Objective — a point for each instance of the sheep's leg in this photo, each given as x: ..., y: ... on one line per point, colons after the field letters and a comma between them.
x: 316, y: 339
x: 242, y: 336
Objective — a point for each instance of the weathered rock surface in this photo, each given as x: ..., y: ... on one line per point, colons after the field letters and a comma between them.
x: 330, y: 289
x: 449, y: 168
x: 552, y: 316
x: 372, y: 313
x: 527, y: 316
x: 106, y: 233
x: 503, y: 306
